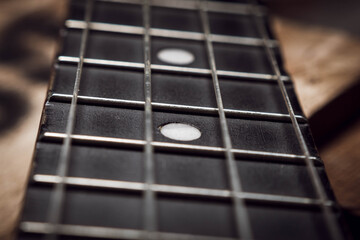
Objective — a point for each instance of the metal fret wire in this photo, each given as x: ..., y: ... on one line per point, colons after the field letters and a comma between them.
x: 109, y: 232
x: 248, y: 154
x: 242, y: 220
x: 167, y: 68
x: 166, y: 33
x: 150, y: 218
x: 58, y: 194
x: 178, y: 190
x: 333, y: 226
x: 109, y: 141
x: 89, y: 100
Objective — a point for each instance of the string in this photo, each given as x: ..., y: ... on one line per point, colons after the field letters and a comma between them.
x: 241, y: 215
x: 58, y: 194
x: 150, y: 219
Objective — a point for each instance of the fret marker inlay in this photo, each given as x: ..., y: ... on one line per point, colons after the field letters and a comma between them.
x: 176, y: 56
x: 180, y: 131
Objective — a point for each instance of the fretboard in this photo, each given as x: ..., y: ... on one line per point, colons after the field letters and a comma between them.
x: 170, y: 119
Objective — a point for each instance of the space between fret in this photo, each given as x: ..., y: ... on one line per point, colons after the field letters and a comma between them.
x: 177, y: 190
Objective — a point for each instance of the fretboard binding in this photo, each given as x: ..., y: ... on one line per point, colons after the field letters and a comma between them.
x: 166, y: 33
x: 89, y: 100
x: 240, y: 153
x: 172, y: 69
x: 109, y: 233
x: 220, y: 7
x: 179, y: 190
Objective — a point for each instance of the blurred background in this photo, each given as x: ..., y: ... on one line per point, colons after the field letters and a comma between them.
x: 320, y: 41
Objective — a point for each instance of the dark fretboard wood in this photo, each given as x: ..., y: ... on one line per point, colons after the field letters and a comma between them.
x: 102, y: 167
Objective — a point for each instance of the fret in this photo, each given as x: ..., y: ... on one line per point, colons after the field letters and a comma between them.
x: 116, y: 185
x: 131, y: 15
x: 171, y: 69
x: 175, y: 147
x: 176, y: 108
x: 109, y: 233
x: 332, y: 226
x: 178, y: 14
x: 159, y: 32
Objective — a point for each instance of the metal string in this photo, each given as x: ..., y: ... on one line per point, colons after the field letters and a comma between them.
x: 241, y: 215
x: 58, y: 194
x: 150, y: 219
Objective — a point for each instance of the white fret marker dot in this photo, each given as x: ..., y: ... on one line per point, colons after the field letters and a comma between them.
x: 176, y: 56
x: 180, y: 131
